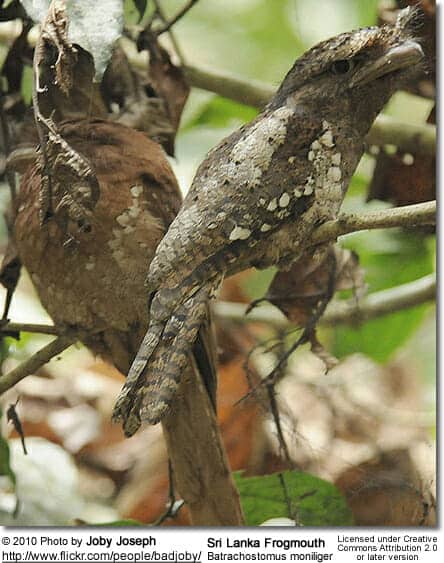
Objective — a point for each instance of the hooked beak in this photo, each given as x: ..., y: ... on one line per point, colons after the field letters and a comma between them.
x: 396, y: 58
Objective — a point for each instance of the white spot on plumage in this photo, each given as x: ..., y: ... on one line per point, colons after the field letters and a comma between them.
x: 316, y: 145
x: 336, y: 159
x: 284, y: 200
x: 265, y: 227
x: 297, y: 192
x: 311, y: 155
x: 308, y: 190
x: 334, y: 173
x: 250, y: 157
x: 327, y: 139
x: 136, y: 191
x: 123, y: 219
x: 239, y: 233
x: 272, y: 205
x: 134, y: 211
x: 291, y: 159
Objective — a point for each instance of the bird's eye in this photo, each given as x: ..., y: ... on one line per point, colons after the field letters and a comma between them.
x: 342, y: 67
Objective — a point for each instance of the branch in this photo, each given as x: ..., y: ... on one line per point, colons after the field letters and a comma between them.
x: 177, y: 17
x: 248, y: 92
x: 382, y: 302
x: 408, y: 216
x: 351, y: 311
x: 35, y: 362
x: 27, y: 327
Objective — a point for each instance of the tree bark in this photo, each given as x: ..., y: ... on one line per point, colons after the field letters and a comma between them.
x: 200, y: 467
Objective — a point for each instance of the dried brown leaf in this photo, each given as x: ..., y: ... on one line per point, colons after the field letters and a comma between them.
x: 318, y: 350
x: 312, y: 281
x: 166, y: 79
x: 9, y: 275
x: 68, y: 181
x: 10, y: 267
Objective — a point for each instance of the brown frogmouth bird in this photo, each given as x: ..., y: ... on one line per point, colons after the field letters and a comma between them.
x: 261, y: 192
x: 92, y: 280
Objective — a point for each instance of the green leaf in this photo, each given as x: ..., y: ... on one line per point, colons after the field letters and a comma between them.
x: 314, y: 502
x: 257, y: 283
x: 128, y: 522
x: 389, y: 259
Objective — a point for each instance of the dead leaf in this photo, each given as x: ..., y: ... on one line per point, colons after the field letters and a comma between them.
x: 69, y: 184
x: 166, y: 79
x: 9, y: 275
x: 139, y: 106
x: 313, y: 280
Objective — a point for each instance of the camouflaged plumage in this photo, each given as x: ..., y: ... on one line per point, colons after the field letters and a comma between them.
x: 258, y: 196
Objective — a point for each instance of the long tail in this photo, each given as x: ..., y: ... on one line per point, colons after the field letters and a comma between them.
x: 156, y: 372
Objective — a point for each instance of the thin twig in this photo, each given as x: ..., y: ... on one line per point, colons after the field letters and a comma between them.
x: 159, y: 12
x: 179, y: 15
x: 35, y: 362
x: 11, y: 327
x: 274, y: 409
x: 287, y: 496
x: 408, y: 216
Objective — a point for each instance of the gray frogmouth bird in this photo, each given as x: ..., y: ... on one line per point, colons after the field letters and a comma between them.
x: 261, y: 192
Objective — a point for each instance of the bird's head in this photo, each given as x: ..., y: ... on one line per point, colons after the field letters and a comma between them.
x: 354, y: 74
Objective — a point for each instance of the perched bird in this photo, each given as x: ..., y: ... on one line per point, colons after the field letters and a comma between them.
x: 92, y: 280
x: 259, y: 194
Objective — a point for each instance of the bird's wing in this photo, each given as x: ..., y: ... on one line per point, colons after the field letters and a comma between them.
x: 238, y: 198
x: 216, y: 225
